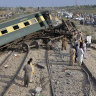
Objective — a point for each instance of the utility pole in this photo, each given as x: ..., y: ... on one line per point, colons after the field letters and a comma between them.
x: 76, y: 3
x: 76, y: 6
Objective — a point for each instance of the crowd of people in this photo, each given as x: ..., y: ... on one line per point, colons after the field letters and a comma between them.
x: 78, y: 49
x: 77, y: 54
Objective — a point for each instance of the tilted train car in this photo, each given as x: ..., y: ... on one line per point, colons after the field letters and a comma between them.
x: 17, y: 28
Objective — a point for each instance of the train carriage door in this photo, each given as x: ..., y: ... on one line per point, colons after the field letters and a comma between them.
x: 47, y: 18
x: 40, y: 19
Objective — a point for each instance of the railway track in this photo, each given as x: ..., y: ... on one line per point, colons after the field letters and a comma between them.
x: 40, y: 78
x: 84, y: 89
x: 6, y: 58
x: 49, y: 72
x: 88, y: 85
x: 90, y: 80
x: 62, y: 79
x: 12, y: 77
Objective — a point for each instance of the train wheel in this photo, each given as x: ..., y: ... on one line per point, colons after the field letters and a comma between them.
x: 25, y: 47
x: 46, y: 40
x: 35, y: 44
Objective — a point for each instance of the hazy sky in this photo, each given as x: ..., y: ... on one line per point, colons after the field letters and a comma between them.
x: 45, y: 3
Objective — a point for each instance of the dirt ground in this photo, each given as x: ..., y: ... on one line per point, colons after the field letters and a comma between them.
x: 87, y: 29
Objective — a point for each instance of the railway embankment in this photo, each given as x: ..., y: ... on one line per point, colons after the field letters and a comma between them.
x: 90, y: 61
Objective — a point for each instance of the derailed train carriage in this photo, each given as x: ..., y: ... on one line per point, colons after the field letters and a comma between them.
x: 18, y: 29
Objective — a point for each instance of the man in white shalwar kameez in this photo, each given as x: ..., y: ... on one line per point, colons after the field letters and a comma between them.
x: 84, y: 48
x: 80, y: 54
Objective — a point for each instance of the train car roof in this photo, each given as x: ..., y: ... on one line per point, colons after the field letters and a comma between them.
x: 22, y: 17
x: 17, y: 20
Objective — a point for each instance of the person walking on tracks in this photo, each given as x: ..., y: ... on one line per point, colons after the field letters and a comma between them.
x: 64, y: 43
x: 27, y: 75
x: 33, y: 70
x: 72, y: 56
x: 79, y: 38
x: 80, y: 54
x: 84, y: 48
x: 76, y: 53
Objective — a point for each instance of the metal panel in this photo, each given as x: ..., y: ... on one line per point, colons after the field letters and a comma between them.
x: 50, y: 16
x: 10, y: 29
x: 21, y: 25
x: 19, y: 33
x: 41, y: 18
x: 15, y: 21
x: 22, y: 30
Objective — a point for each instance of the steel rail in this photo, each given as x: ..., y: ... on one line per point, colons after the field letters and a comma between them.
x: 49, y: 71
x: 5, y: 59
x: 87, y: 74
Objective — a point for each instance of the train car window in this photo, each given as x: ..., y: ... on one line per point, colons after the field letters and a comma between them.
x: 26, y: 23
x: 15, y: 27
x: 4, y: 31
x: 33, y: 21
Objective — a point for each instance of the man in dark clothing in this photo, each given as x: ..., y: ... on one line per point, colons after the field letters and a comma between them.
x: 28, y: 69
x: 76, y: 53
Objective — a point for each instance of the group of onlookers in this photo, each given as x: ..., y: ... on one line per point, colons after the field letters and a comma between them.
x: 78, y: 49
x: 77, y: 53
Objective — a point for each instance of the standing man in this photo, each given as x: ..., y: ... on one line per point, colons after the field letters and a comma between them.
x: 84, y: 48
x: 79, y: 37
x: 27, y: 75
x: 76, y: 52
x: 32, y: 66
x: 64, y: 43
x: 80, y: 54
x: 72, y: 56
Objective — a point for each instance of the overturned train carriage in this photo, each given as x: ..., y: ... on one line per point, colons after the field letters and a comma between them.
x: 21, y: 27
x: 19, y: 31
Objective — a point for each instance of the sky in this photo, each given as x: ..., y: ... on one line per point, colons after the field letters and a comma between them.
x: 44, y: 3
